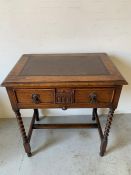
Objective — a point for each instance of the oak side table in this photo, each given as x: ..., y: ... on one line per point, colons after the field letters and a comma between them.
x: 64, y: 81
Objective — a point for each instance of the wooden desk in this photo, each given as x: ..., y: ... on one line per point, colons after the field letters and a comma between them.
x: 64, y: 81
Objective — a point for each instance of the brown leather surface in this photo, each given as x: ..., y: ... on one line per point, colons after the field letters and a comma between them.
x: 41, y: 65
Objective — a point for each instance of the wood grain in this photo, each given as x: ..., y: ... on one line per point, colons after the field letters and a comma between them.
x: 98, y: 87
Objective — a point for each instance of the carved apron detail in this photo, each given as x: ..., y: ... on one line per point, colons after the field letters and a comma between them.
x: 64, y: 96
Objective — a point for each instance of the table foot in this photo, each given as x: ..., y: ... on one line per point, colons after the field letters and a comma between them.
x: 103, y: 146
x: 29, y: 154
x: 106, y: 132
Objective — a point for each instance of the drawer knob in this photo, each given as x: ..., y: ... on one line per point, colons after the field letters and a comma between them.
x: 36, y: 98
x: 64, y: 108
x: 93, y: 98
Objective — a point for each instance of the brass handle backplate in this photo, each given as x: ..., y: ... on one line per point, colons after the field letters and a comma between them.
x: 93, y: 98
x: 36, y: 98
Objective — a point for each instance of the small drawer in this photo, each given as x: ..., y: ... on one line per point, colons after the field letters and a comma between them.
x: 94, y: 95
x: 34, y: 96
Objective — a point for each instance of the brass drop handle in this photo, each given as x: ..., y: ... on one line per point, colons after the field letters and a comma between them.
x: 93, y: 98
x: 64, y: 108
x: 36, y: 98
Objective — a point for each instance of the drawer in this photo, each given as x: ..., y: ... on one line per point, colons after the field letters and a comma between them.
x: 34, y: 96
x: 71, y: 97
x: 94, y: 95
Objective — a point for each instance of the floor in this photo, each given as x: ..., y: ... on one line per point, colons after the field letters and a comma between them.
x: 66, y: 152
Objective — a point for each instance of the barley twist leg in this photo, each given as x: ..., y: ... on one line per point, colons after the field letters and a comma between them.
x: 106, y: 132
x: 23, y: 133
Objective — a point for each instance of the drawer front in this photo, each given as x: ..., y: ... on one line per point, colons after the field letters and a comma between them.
x: 34, y: 96
x: 94, y: 96
x: 65, y: 97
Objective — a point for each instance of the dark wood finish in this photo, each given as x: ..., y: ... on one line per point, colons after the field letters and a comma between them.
x: 103, y: 137
x: 64, y: 81
x: 36, y: 113
x: 23, y: 133
x: 65, y: 126
x: 15, y: 78
x: 64, y: 96
x: 34, y: 96
x: 31, y: 126
x: 94, y: 95
x: 98, y: 123
x: 94, y: 113
x: 106, y: 132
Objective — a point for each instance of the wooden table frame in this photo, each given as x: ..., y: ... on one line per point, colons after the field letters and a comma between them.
x: 101, y: 89
x: 27, y: 137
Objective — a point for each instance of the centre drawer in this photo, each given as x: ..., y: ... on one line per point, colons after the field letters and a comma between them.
x: 94, y: 95
x: 34, y: 96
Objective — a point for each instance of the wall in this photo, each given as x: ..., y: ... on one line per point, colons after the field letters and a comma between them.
x: 54, y: 26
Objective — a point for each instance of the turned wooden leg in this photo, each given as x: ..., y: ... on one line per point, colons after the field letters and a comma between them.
x: 94, y: 113
x: 106, y: 132
x: 36, y: 112
x: 23, y: 133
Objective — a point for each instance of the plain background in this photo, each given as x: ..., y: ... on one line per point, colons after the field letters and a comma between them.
x: 65, y: 26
